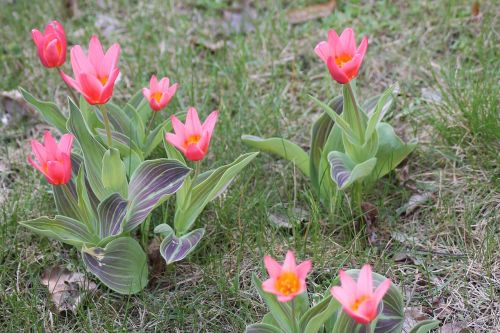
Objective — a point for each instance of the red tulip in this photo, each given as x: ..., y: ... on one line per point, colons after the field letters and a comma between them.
x: 193, y: 138
x: 341, y: 56
x: 51, y: 45
x: 358, y: 299
x: 53, y: 159
x: 95, y: 74
x: 160, y: 93
x: 288, y: 280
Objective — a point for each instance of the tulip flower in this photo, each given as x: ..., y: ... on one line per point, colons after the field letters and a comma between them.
x: 341, y: 56
x: 160, y: 93
x: 52, y: 158
x: 288, y: 280
x: 95, y: 74
x: 193, y: 138
x: 359, y: 300
x: 51, y: 44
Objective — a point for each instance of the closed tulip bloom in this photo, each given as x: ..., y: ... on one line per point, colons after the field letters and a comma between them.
x: 160, y: 93
x: 192, y: 138
x: 51, y: 44
x: 359, y: 300
x: 52, y: 158
x: 95, y: 74
x: 288, y: 280
x: 341, y: 56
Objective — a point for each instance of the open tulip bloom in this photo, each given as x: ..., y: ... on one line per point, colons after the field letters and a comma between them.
x: 192, y: 138
x: 52, y: 158
x: 159, y: 93
x: 51, y: 44
x: 354, y: 306
x: 95, y: 73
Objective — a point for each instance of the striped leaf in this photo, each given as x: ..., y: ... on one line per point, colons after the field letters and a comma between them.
x: 112, y: 213
x: 63, y: 229
x: 263, y: 328
x: 344, y: 172
x: 174, y: 248
x: 121, y: 265
x: 151, y: 183
x: 66, y: 196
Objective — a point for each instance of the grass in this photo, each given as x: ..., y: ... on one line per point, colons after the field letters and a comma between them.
x: 444, y: 255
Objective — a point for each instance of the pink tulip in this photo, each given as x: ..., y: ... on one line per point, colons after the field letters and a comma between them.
x: 160, y: 93
x: 341, y: 56
x: 53, y: 159
x: 51, y: 44
x: 286, y: 281
x: 359, y: 300
x: 193, y: 138
x: 95, y: 74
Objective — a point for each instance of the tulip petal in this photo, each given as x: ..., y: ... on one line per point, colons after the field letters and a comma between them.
x: 153, y: 83
x: 209, y: 123
x: 36, y: 165
x: 51, y: 53
x: 91, y: 88
x: 176, y: 141
x: 303, y: 269
x: 284, y: 299
x: 365, y: 282
x: 272, y: 266
x: 55, y: 172
x: 348, y: 42
x: 96, y: 55
x: 193, y: 125
x: 356, y: 315
x: 163, y: 84
x: 39, y: 151
x: 367, y: 310
x: 336, y: 73
x: 70, y: 81
x: 109, y: 61
x: 269, y: 285
x: 65, y: 143
x: 178, y: 127
x: 347, y: 282
x: 107, y: 91
x: 344, y: 296
x: 80, y: 62
x: 289, y: 263
x: 146, y: 93
x: 50, y: 146
x: 381, y: 290
x: 37, y: 37
x: 194, y: 152
x: 324, y: 51
x: 334, y: 42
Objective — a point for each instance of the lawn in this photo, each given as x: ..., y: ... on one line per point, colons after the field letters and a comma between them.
x: 443, y: 252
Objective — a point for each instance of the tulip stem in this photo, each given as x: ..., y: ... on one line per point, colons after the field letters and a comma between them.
x: 356, y: 112
x: 357, y: 198
x: 151, y: 120
x: 71, y: 92
x: 106, y: 123
x: 294, y: 320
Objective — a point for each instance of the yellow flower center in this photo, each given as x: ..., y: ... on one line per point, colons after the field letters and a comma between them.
x: 358, y: 302
x: 157, y: 96
x: 342, y: 59
x: 287, y: 283
x: 103, y: 79
x: 193, y: 139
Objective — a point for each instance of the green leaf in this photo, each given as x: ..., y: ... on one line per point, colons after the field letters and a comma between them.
x: 345, y: 172
x: 391, y: 151
x: 150, y: 185
x: 120, y: 141
x: 281, y: 147
x: 391, y: 318
x: 317, y: 317
x: 262, y: 328
x: 121, y: 266
x: 383, y: 105
x: 155, y: 137
x: 319, y: 135
x: 207, y: 191
x: 327, y: 186
x: 269, y: 319
x: 65, y: 196
x: 346, y: 128
x: 114, y: 177
x: 280, y: 311
x: 425, y: 326
x: 50, y: 112
x: 93, y: 151
x: 360, y: 153
x: 63, y: 229
x: 87, y: 202
x: 349, y: 113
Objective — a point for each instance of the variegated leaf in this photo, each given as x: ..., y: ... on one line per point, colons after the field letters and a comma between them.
x: 112, y: 213
x: 344, y: 172
x: 175, y: 248
x: 152, y: 182
x: 121, y: 265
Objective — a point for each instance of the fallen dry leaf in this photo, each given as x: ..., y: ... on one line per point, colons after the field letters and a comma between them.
x: 412, y: 316
x: 415, y: 201
x: 156, y: 261
x: 281, y: 219
x: 300, y: 15
x: 66, y: 288
x: 475, y: 8
x: 239, y: 19
x: 455, y: 327
x: 370, y: 216
x: 212, y: 46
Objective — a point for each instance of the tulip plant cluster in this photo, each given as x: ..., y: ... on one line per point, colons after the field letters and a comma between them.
x: 372, y: 304
x: 106, y: 187
x: 350, y: 144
